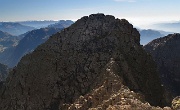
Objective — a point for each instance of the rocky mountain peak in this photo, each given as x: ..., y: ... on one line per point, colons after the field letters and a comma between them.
x: 97, y: 50
x: 97, y: 25
x: 166, y: 53
x: 163, y: 40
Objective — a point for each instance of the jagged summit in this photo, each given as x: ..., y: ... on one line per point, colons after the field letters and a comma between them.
x: 104, y: 22
x: 163, y: 40
x: 77, y: 61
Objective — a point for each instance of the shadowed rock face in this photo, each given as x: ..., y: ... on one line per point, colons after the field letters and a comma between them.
x: 3, y: 72
x: 75, y: 62
x: 166, y: 53
x: 111, y: 94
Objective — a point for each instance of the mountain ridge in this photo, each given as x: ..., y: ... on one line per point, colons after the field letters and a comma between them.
x: 26, y: 45
x: 14, y: 28
x: 7, y: 41
x: 12, y: 55
x: 148, y: 35
x: 165, y: 52
x: 71, y: 62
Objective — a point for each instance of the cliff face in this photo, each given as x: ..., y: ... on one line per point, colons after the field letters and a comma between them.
x: 3, y: 72
x: 166, y: 53
x: 95, y: 51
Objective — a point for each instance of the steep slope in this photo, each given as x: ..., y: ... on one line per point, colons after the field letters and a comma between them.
x: 111, y: 94
x: 149, y: 35
x: 14, y: 28
x: 7, y: 41
x: 3, y: 72
x: 76, y: 61
x: 28, y: 44
x: 166, y: 53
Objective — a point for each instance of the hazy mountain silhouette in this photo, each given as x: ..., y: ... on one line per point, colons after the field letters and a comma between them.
x: 7, y: 41
x: 171, y: 26
x: 149, y: 35
x: 14, y: 28
x: 38, y: 24
x: 28, y: 44
x: 62, y: 24
x: 30, y: 40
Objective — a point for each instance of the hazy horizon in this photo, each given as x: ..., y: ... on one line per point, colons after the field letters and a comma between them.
x: 141, y: 13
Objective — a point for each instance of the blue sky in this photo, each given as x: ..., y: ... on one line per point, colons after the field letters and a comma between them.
x: 138, y: 12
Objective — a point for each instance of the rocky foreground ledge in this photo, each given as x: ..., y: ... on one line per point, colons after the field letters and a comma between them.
x: 97, y: 63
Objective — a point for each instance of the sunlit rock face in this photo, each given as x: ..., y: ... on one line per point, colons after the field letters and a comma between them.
x: 97, y: 55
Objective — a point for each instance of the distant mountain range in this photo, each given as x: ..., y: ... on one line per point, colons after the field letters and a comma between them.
x: 38, y: 24
x: 62, y: 24
x: 12, y: 48
x: 14, y: 53
x: 14, y: 28
x: 169, y: 26
x: 31, y: 40
x: 7, y: 41
x: 149, y: 35
x: 21, y: 27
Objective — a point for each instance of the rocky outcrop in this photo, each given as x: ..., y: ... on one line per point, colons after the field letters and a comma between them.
x: 3, y: 72
x: 95, y: 58
x: 112, y: 94
x: 166, y: 53
x: 176, y: 103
